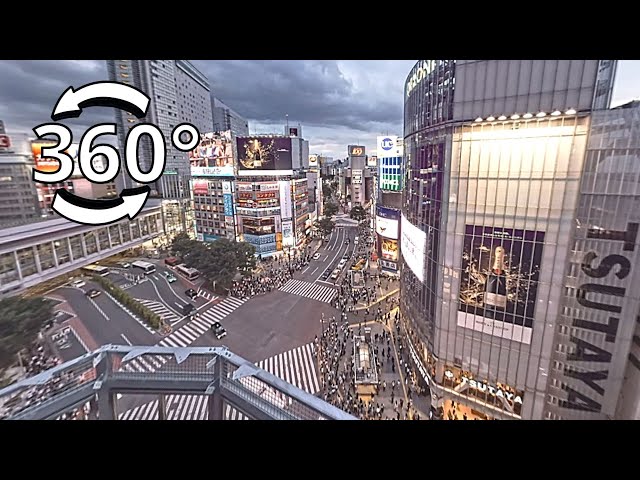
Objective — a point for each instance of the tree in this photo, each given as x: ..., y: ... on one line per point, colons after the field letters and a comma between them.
x: 326, y: 226
x: 181, y: 244
x: 21, y: 319
x: 327, y: 191
x: 358, y: 213
x: 330, y: 209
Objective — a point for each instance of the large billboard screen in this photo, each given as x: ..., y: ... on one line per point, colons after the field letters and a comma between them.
x: 372, y: 161
x: 313, y: 161
x: 213, y: 156
x: 264, y: 156
x: 387, y: 227
x: 499, y: 281
x: 412, y: 245
x: 389, y: 249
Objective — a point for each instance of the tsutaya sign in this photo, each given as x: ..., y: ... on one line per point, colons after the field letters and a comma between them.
x: 420, y: 71
x: 484, y: 387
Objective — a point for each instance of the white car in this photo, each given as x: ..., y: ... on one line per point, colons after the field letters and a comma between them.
x: 336, y: 273
x: 78, y: 283
x: 316, y: 256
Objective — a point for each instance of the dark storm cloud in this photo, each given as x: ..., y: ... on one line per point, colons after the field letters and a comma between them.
x: 29, y: 91
x: 309, y: 91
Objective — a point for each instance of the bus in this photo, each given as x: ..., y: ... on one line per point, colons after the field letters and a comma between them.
x: 97, y: 269
x: 189, y: 273
x: 146, y: 267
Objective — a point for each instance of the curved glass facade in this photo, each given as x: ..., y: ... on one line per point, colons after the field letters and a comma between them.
x: 494, y: 193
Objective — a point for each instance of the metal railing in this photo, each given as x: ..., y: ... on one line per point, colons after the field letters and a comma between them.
x: 112, y: 370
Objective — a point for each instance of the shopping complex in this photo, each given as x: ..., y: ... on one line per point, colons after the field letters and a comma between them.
x: 519, y: 239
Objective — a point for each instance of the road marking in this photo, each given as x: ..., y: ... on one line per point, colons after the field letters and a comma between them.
x: 99, y: 309
x: 314, y: 270
x: 334, y: 257
x: 162, y: 301
x: 125, y: 338
x: 325, y: 258
x: 306, y: 269
x: 179, y: 305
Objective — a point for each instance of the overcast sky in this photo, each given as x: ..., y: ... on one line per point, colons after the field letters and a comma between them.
x: 337, y: 102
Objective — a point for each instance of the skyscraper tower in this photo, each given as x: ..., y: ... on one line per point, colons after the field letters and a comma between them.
x: 179, y: 93
x: 519, y: 239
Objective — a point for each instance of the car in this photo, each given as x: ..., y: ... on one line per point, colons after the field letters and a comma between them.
x: 346, y: 257
x: 78, y: 283
x: 170, y: 277
x: 172, y: 261
x: 316, y: 256
x: 92, y: 293
x: 189, y: 309
x: 218, y: 330
x: 191, y: 293
x: 342, y: 262
x: 335, y: 274
x: 124, y: 264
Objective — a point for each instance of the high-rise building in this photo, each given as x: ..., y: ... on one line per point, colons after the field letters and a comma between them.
x: 18, y: 196
x: 388, y: 202
x: 356, y: 180
x: 271, y: 193
x: 519, y: 239
x: 225, y: 118
x: 179, y: 93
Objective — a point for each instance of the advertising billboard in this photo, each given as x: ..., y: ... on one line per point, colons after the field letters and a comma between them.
x: 244, y: 187
x: 287, y: 233
x: 285, y: 200
x: 226, y: 187
x: 50, y: 165
x: 356, y: 177
x: 313, y: 161
x: 264, y: 156
x: 269, y: 187
x: 387, y: 227
x: 412, y: 245
x: 390, y: 146
x: 200, y: 187
x: 293, y: 132
x: 372, y: 161
x: 213, y: 156
x: 499, y: 281
x: 388, y: 249
x: 356, y: 150
x: 228, y: 204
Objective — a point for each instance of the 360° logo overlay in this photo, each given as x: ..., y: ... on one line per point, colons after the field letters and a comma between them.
x: 132, y: 200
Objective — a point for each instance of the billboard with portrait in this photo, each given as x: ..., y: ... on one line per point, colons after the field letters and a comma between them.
x: 264, y: 156
x: 499, y: 281
x: 313, y: 161
x: 213, y: 156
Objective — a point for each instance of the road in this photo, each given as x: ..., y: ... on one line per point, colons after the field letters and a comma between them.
x: 105, y: 320
x: 330, y: 254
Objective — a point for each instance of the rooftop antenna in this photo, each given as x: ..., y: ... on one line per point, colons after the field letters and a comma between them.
x: 287, y: 115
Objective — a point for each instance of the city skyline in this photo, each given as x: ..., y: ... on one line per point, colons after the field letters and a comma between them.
x: 337, y: 102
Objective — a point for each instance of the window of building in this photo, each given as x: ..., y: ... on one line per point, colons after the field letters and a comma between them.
x: 45, y: 253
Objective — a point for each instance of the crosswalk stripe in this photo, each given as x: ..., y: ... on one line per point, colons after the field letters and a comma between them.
x: 181, y: 337
x: 313, y: 291
x: 296, y: 366
x: 187, y: 332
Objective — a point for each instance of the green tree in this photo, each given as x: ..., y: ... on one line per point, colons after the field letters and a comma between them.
x: 326, y: 226
x: 327, y: 191
x: 20, y: 322
x: 330, y: 209
x: 358, y: 213
x: 182, y: 244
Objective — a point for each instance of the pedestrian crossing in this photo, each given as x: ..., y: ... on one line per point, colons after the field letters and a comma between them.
x: 296, y: 366
x: 205, y: 294
x: 180, y: 407
x: 313, y: 291
x: 160, y: 309
x: 184, y: 336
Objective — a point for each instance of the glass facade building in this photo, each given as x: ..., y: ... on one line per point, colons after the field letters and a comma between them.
x: 494, y: 152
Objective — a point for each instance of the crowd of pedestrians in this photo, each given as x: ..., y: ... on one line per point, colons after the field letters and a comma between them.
x: 274, y: 274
